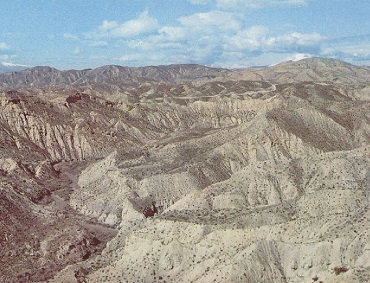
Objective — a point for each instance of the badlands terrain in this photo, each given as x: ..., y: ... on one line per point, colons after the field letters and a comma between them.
x: 258, y: 175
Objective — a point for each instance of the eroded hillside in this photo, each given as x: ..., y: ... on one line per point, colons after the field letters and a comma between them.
x: 255, y: 174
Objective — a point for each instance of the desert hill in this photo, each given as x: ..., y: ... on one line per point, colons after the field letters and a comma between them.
x: 257, y: 174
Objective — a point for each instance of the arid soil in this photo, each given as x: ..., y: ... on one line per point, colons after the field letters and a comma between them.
x: 258, y: 175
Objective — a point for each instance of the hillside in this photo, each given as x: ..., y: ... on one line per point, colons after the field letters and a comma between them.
x: 257, y: 174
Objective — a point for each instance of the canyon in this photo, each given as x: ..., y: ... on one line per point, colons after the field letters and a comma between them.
x: 258, y: 175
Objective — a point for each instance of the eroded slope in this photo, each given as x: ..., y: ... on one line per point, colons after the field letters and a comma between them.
x: 252, y: 179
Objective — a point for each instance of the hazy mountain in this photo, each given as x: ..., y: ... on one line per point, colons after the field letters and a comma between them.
x: 42, y: 77
x: 258, y: 174
x: 10, y: 68
x: 104, y: 78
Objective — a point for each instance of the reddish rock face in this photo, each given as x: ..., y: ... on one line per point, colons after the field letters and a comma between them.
x: 74, y: 98
x: 150, y: 211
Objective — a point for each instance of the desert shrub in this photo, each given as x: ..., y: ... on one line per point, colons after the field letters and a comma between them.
x: 340, y: 269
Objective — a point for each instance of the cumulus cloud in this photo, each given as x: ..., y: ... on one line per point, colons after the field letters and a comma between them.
x: 211, y: 21
x: 298, y: 39
x: 219, y: 39
x: 216, y: 38
x: 172, y: 33
x: 234, y: 48
x: 259, y: 38
x: 197, y: 27
x: 253, y: 38
x: 144, y: 24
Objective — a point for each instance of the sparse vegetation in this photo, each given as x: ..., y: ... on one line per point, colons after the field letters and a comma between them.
x: 340, y: 269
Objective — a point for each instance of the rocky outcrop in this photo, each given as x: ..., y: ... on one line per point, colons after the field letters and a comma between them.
x: 65, y: 132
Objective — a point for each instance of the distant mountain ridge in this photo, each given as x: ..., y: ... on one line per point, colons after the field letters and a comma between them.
x: 9, y: 68
x: 312, y: 69
x: 43, y: 76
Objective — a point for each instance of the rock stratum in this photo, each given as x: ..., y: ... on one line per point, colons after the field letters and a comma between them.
x: 258, y: 175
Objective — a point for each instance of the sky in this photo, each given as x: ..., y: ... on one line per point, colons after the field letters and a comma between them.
x: 80, y: 34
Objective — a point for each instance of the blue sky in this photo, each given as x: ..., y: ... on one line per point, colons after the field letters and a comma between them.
x: 77, y: 34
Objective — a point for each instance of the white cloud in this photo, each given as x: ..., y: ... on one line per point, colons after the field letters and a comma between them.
x: 211, y: 21
x: 173, y: 33
x: 144, y: 24
x: 251, y: 39
x: 259, y: 38
x: 9, y: 64
x: 156, y: 44
x: 298, y: 39
x: 217, y: 37
x: 3, y: 46
x: 257, y: 4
